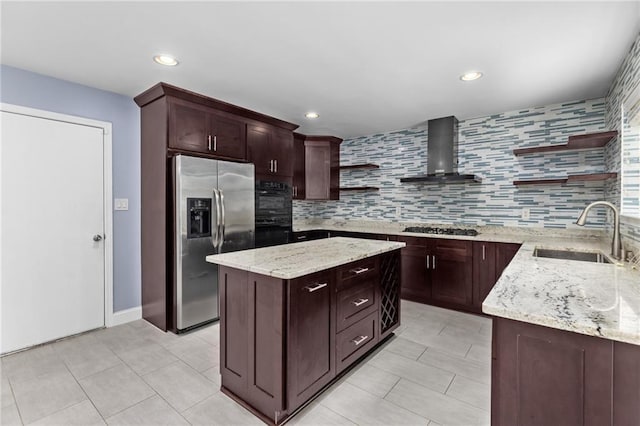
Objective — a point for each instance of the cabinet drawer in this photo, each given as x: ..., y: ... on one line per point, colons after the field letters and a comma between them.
x: 357, y: 272
x: 355, y: 303
x: 356, y: 340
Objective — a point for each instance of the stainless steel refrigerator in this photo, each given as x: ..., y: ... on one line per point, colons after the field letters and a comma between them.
x: 215, y: 213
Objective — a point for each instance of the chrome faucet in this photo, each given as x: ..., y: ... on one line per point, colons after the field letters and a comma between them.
x: 616, y: 245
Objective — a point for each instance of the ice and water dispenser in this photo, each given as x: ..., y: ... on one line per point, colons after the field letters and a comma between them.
x: 198, y: 217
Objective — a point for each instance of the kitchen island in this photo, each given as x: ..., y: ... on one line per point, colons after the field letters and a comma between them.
x: 293, y: 318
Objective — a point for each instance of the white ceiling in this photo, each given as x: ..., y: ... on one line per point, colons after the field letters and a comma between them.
x: 365, y: 67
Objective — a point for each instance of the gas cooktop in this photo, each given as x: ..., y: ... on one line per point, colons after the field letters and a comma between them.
x: 443, y: 231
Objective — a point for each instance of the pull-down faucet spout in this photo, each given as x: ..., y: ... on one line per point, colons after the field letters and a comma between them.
x: 616, y: 245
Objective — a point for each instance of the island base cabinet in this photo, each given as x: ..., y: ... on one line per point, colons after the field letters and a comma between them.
x: 280, y: 343
x: 545, y: 376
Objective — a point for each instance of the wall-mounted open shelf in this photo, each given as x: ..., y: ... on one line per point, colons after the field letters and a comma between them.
x: 588, y: 141
x: 360, y: 166
x: 568, y: 179
x: 359, y: 188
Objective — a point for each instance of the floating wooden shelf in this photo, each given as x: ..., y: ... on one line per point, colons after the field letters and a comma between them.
x: 588, y: 141
x: 568, y: 179
x: 360, y: 166
x: 359, y: 188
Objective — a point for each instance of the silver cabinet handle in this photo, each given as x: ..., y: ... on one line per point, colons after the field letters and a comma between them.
x: 483, y: 253
x: 209, y: 142
x: 97, y: 237
x: 302, y: 237
x: 360, y: 302
x: 271, y: 166
x: 434, y: 261
x: 359, y: 271
x: 427, y: 261
x: 223, y: 221
x: 215, y: 142
x: 313, y: 288
x: 360, y: 340
x: 276, y: 165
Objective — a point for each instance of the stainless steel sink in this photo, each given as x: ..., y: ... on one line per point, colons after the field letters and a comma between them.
x: 583, y: 256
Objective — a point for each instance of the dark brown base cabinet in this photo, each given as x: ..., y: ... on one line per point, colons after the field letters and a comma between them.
x: 284, y: 341
x: 489, y: 261
x: 545, y: 376
x: 438, y: 272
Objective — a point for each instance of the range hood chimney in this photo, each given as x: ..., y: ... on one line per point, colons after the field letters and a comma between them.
x: 442, y: 154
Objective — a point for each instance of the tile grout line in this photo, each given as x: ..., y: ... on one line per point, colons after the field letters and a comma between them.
x: 170, y: 405
x: 15, y: 401
x: 392, y: 387
x: 336, y: 413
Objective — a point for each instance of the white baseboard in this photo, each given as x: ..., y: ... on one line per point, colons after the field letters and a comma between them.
x: 125, y: 316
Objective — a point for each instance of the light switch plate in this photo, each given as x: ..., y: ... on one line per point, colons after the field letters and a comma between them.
x: 121, y: 204
x: 526, y: 213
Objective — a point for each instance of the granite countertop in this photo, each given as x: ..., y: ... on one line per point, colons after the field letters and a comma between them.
x: 595, y: 299
x: 295, y: 260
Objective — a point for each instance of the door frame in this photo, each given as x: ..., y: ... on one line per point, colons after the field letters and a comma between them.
x: 107, y: 189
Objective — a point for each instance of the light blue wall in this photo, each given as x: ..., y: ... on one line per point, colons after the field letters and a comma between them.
x: 486, y: 147
x: 20, y: 87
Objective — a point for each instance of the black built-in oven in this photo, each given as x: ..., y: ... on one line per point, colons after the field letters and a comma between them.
x: 273, y: 213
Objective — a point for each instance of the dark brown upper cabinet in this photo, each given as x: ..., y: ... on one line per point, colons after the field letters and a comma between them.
x: 202, y: 130
x: 270, y: 149
x: 298, y: 188
x: 320, y: 168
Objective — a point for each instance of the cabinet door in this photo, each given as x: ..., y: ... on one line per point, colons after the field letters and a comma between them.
x: 188, y: 127
x: 451, y: 272
x: 484, y: 271
x: 415, y: 284
x: 298, y: 167
x: 229, y: 138
x: 544, y: 376
x: 258, y: 149
x: 504, y: 254
x: 311, y: 345
x: 318, y: 170
x: 282, y: 152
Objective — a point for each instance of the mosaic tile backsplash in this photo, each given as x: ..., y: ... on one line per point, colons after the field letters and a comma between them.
x: 486, y: 147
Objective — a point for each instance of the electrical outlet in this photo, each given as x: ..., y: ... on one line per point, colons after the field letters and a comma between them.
x: 121, y: 204
x: 526, y: 213
x: 398, y: 211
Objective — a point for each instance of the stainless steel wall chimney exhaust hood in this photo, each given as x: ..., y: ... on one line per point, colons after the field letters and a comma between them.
x: 442, y: 154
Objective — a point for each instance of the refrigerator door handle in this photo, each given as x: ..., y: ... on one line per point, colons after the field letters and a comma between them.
x: 222, y: 219
x: 215, y: 234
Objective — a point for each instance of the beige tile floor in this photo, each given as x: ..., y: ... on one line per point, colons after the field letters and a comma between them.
x: 435, y: 371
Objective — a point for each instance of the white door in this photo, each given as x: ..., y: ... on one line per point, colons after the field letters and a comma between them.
x: 52, y: 270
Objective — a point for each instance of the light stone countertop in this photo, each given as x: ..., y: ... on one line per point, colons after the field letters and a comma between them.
x: 297, y: 259
x: 595, y: 299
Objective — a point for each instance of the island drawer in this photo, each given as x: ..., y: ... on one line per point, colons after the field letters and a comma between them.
x: 357, y: 272
x: 356, y: 302
x: 356, y: 340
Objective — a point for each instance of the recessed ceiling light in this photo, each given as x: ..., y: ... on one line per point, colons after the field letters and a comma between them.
x: 471, y: 75
x: 167, y: 60
x: 312, y: 115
